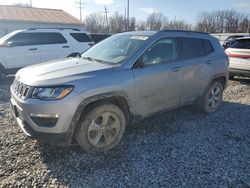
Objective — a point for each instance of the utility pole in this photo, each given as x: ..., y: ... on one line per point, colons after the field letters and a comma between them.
x: 125, y: 20
x: 248, y: 24
x: 30, y: 3
x: 106, y: 16
x: 80, y: 4
x: 127, y: 15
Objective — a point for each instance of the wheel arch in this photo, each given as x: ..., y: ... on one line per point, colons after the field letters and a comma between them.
x: 116, y: 98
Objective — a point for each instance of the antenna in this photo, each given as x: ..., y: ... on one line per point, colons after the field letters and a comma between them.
x: 80, y: 4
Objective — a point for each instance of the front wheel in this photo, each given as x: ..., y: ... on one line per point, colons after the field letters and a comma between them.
x: 212, y: 99
x: 101, y: 129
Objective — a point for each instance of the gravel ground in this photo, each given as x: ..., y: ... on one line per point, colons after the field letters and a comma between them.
x: 181, y: 148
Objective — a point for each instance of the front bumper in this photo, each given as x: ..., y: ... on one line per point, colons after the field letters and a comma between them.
x: 60, y: 131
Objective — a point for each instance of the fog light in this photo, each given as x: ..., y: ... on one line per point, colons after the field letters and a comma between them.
x: 44, y: 120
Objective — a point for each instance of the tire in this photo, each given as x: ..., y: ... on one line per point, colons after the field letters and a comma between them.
x: 101, y: 129
x: 212, y: 99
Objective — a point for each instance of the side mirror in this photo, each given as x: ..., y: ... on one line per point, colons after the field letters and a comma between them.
x: 139, y: 63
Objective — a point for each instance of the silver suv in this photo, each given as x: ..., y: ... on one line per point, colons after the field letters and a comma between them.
x: 120, y: 81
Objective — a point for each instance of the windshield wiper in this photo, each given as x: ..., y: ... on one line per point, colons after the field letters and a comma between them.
x: 92, y: 59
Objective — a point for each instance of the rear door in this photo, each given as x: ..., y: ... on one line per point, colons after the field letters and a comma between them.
x: 53, y: 46
x: 197, y: 65
x: 22, y: 51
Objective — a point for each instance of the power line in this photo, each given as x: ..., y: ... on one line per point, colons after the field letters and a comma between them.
x: 80, y: 5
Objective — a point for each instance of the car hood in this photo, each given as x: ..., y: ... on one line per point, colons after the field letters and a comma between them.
x: 59, y: 71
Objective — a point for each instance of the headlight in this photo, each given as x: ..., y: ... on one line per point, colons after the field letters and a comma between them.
x: 51, y: 93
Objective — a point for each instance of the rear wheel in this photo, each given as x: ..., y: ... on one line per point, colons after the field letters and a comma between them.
x: 101, y: 129
x: 212, y: 99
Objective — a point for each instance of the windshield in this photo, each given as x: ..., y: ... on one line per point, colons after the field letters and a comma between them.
x: 115, y: 49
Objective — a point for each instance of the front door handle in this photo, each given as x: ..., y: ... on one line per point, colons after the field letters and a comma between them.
x: 32, y: 49
x: 65, y: 46
x: 209, y: 62
x: 176, y: 69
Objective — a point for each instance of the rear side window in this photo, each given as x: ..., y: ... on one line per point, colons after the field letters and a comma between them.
x: 27, y: 39
x: 243, y: 44
x: 190, y: 48
x: 81, y: 37
x: 98, y: 37
x: 50, y: 38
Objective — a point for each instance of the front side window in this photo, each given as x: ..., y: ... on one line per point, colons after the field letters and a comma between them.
x: 28, y: 39
x: 22, y: 39
x: 115, y: 49
x: 243, y: 44
x: 161, y: 52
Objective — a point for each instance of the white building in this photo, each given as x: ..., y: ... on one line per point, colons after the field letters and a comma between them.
x: 14, y: 18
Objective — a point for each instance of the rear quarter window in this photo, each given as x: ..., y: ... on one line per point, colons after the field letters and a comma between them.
x: 81, y: 37
x: 190, y: 48
x: 243, y: 44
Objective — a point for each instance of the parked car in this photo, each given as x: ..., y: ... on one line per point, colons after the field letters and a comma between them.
x: 98, y: 37
x: 27, y: 47
x: 239, y: 57
x: 230, y: 40
x: 119, y: 81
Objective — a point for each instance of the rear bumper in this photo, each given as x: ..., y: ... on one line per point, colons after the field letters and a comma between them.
x: 239, y: 72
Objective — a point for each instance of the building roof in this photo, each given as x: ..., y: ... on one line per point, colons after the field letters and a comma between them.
x: 30, y: 14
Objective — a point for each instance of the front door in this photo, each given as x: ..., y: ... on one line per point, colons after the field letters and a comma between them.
x: 157, y: 78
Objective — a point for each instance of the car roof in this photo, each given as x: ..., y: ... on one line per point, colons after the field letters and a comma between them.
x: 145, y: 33
x: 151, y: 33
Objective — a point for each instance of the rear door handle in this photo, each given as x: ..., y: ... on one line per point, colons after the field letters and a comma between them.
x: 176, y: 69
x: 32, y: 49
x: 209, y: 62
x: 65, y: 46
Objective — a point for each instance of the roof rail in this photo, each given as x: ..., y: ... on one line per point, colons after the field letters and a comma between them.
x: 185, y: 31
x: 74, y: 29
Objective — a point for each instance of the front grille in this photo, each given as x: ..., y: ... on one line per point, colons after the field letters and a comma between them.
x: 21, y: 90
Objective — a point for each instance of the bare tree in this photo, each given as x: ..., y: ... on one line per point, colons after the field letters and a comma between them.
x: 95, y: 23
x: 117, y: 23
x: 177, y: 24
x: 155, y: 21
x: 141, y: 26
x: 228, y: 21
x: 132, y: 24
